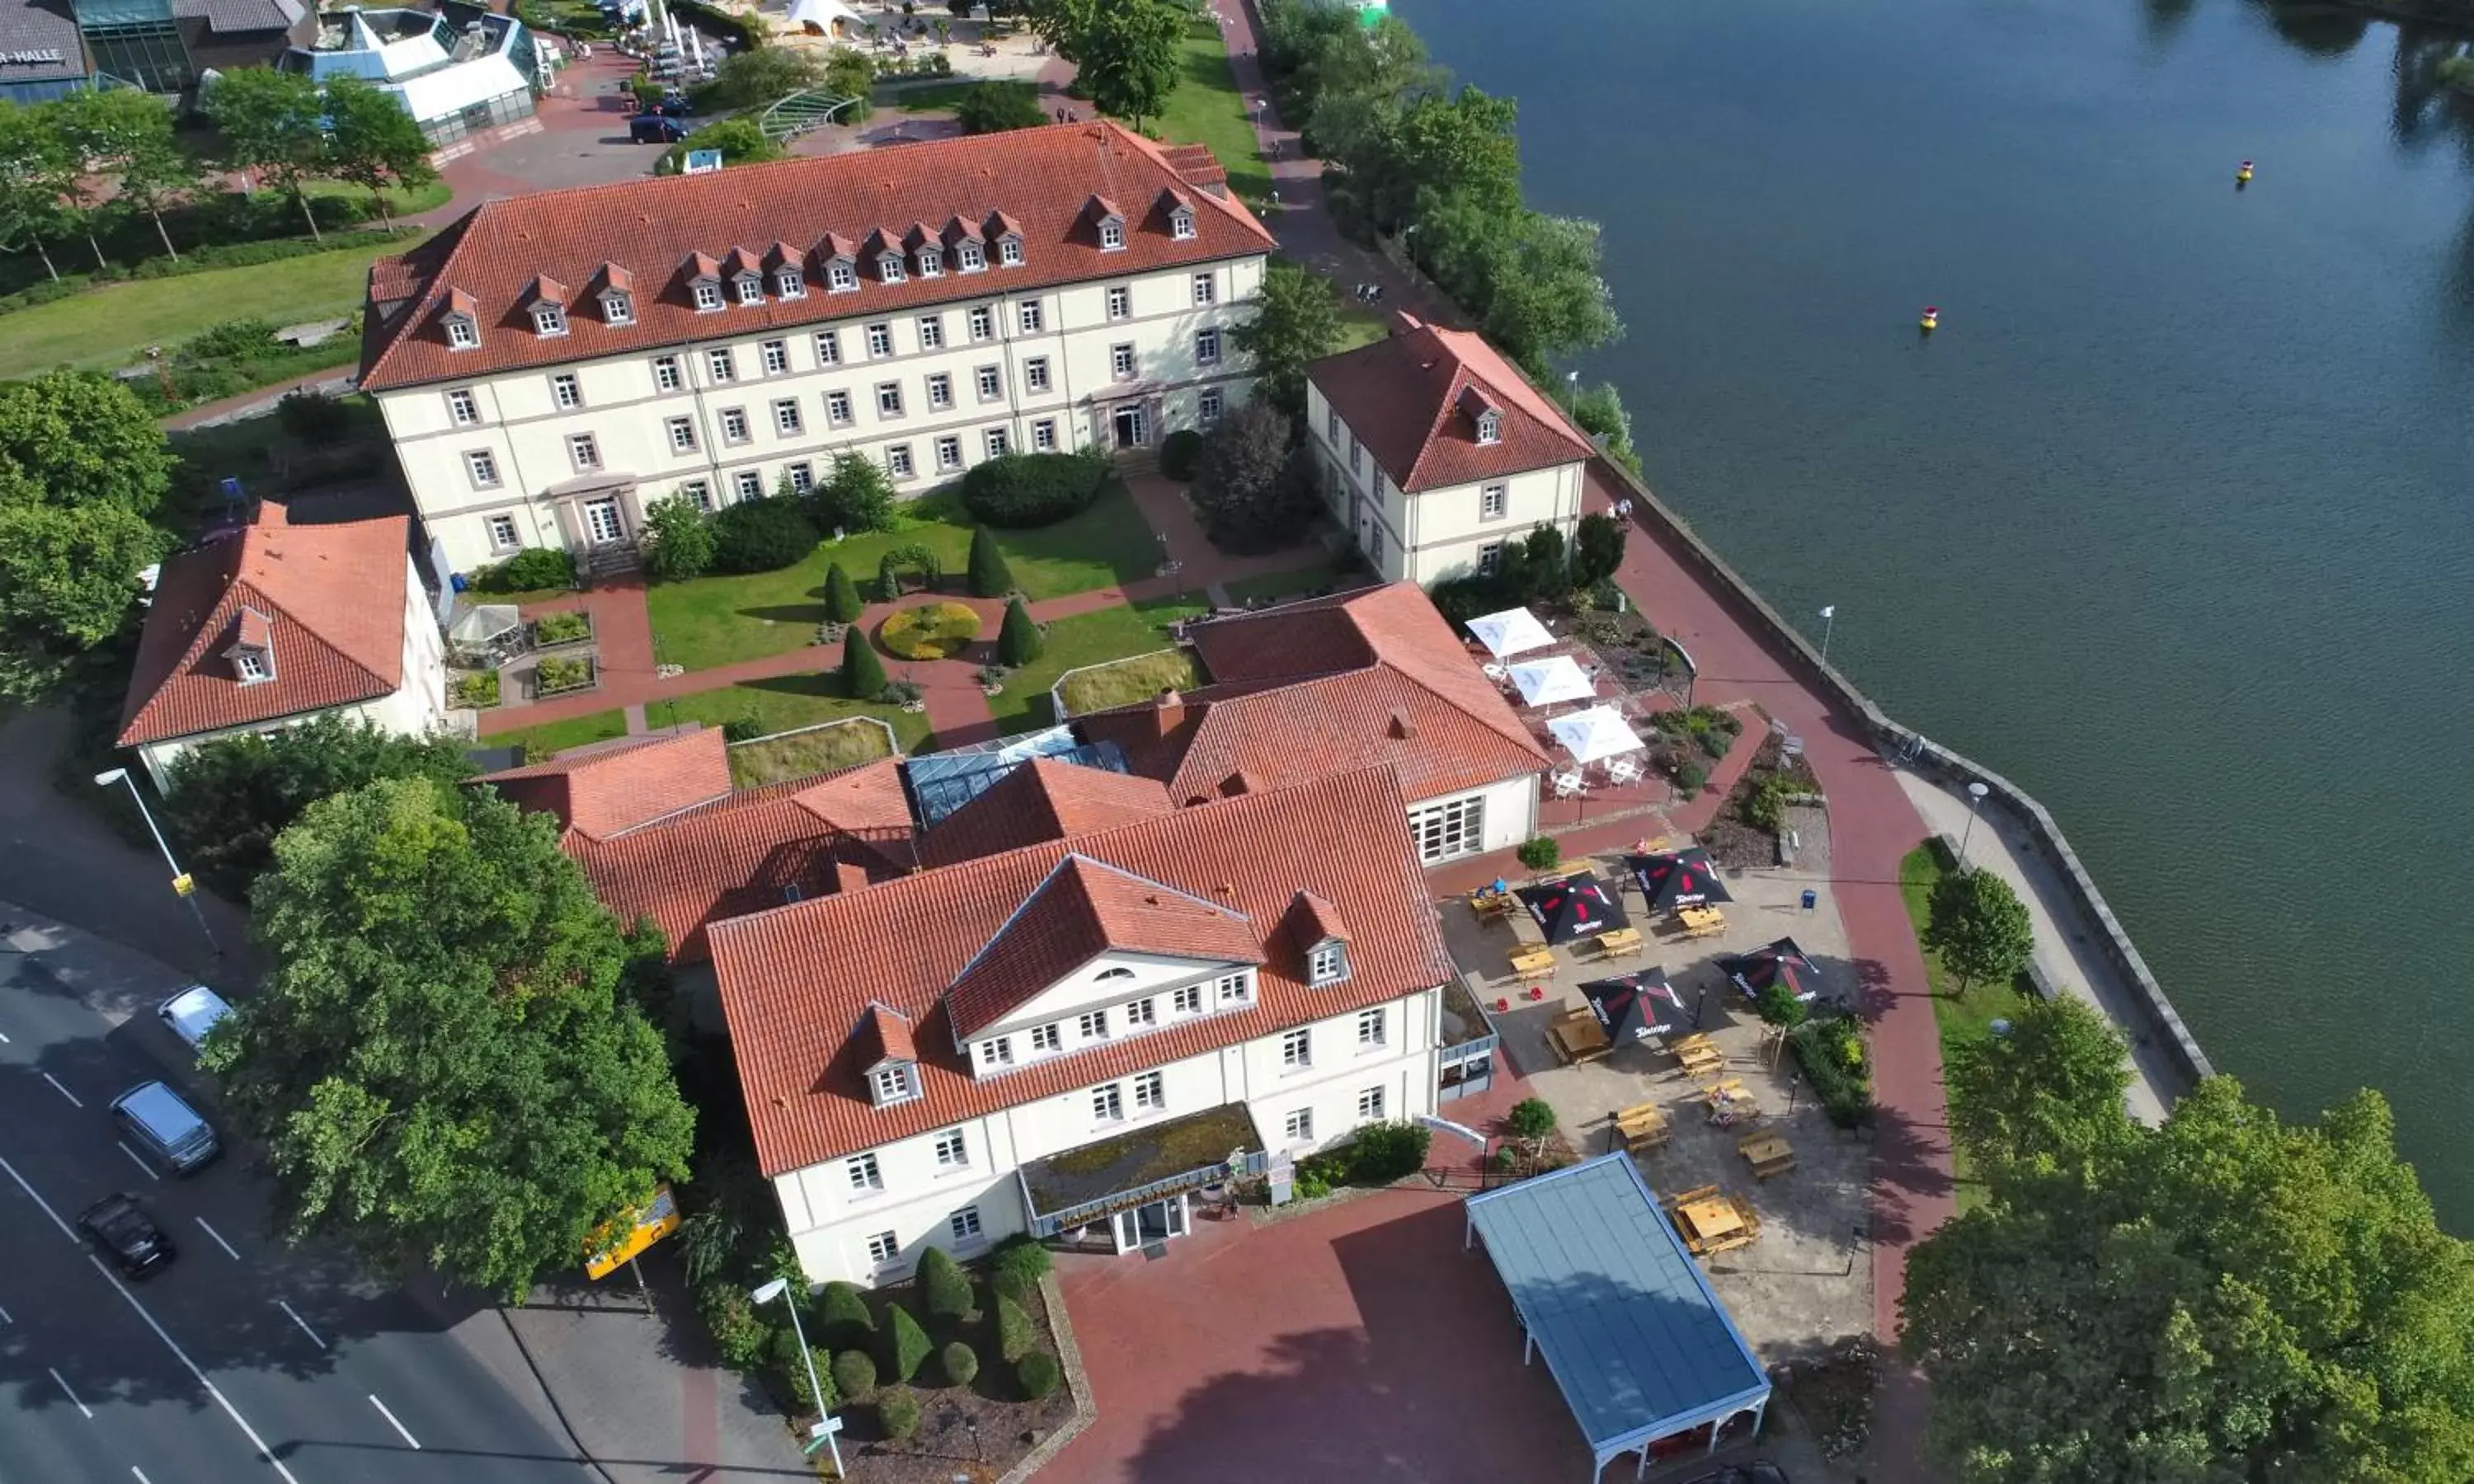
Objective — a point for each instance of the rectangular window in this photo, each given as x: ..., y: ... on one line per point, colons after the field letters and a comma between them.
x: 1297, y: 1048
x: 1108, y: 1103
x: 990, y: 382
x: 829, y: 347
x: 683, y: 438
x: 1369, y: 1028
x: 1180, y: 223
x: 996, y: 1051
x: 1033, y: 319
x: 1369, y: 1105
x: 1356, y: 456
x: 618, y: 309
x: 838, y: 409
x: 1448, y: 830
x: 565, y: 392
x: 720, y: 362
x: 1092, y: 1025
x: 463, y: 409
x: 889, y: 269
x: 1150, y: 1092
x: 707, y: 297
x: 841, y: 276
x: 893, y: 1085
x: 665, y: 374
x: 1206, y: 289
x: 1491, y: 502
x: 1235, y: 989
x: 1034, y: 373
x: 1143, y: 1012
x: 884, y: 1248
x: 888, y: 399
x: 1207, y: 406
x: 776, y: 356
x: 583, y: 452
x: 801, y: 477
x: 897, y: 462
x: 1121, y: 362
x: 503, y: 533
x: 1010, y: 251
x: 1188, y: 1001
x: 482, y: 466
x: 751, y: 290
x: 549, y: 319
x: 973, y: 257
x: 1331, y: 424
x: 749, y: 484
x: 863, y: 1172
x: 1112, y: 237
x: 462, y: 334
x: 787, y: 420
x: 788, y: 282
x: 1206, y: 346
x: 880, y: 341
x: 949, y: 453
x: 1328, y: 964
x: 1043, y: 435
x: 1299, y: 1127
x: 733, y: 424
x: 984, y: 325
x: 1046, y: 1037
x: 997, y: 443
x: 941, y: 389
x: 1490, y: 559
x: 952, y: 1151
x: 932, y: 263
x: 932, y: 332
x: 965, y: 1225
x: 699, y: 494
x: 1121, y: 302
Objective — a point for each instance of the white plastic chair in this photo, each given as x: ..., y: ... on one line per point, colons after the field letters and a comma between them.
x: 1566, y: 784
x: 1623, y: 770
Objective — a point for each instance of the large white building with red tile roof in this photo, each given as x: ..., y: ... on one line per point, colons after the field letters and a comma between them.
x: 550, y: 365
x: 280, y: 623
x: 1434, y: 451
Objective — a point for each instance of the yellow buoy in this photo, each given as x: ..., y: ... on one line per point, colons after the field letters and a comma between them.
x: 1930, y: 319
x: 2242, y: 177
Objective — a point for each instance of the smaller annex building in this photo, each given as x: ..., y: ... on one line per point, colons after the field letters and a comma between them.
x: 1636, y: 1341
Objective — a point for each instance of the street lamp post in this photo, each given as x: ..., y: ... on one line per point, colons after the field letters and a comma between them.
x: 1829, y: 619
x: 182, y: 886
x: 1975, y: 796
x: 780, y: 1289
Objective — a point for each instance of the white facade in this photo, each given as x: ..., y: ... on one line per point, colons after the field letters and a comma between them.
x: 1475, y: 820
x: 924, y: 1195
x: 1450, y: 531
x: 570, y: 455
x: 416, y: 705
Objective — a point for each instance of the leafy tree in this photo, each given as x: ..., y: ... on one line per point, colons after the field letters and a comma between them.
x: 1019, y: 640
x: 275, y: 123
x: 849, y: 74
x: 760, y: 77
x: 1533, y: 569
x: 993, y: 108
x: 741, y: 141
x: 1530, y: 1118
x: 77, y: 439
x: 2225, y: 1299
x: 1980, y: 927
x: 439, y: 1064
x: 125, y: 136
x: 1127, y: 51
x: 372, y: 142
x: 862, y: 673
x: 678, y: 541
x: 1295, y: 323
x: 228, y: 800
x: 1597, y: 549
x: 988, y: 576
x: 1461, y: 147
x: 2048, y: 1094
x: 39, y: 176
x: 1245, y: 488
x: 843, y: 602
x: 905, y: 1344
x: 944, y: 1288
x: 1062, y: 24
x: 857, y: 495
x: 1777, y: 1006
x: 1599, y: 410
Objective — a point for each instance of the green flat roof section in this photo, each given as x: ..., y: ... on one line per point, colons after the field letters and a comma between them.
x: 1137, y: 1158
x: 1633, y: 1337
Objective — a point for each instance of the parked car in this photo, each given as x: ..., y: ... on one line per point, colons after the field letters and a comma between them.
x: 120, y: 1227
x: 655, y: 128
x: 674, y: 105
x: 166, y: 1129
x: 192, y: 1013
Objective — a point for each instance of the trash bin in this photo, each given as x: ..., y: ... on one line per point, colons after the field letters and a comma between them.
x: 1811, y: 899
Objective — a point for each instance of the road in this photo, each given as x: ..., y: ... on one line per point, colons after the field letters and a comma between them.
x: 247, y: 1360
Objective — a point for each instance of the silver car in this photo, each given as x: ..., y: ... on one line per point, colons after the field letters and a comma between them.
x: 192, y: 1013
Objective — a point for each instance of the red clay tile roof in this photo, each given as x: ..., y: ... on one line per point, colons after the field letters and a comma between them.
x: 795, y: 980
x: 883, y: 1035
x: 867, y: 798
x: 1083, y: 909
x: 1042, y: 799
x: 332, y: 597
x: 607, y: 791
x: 1403, y: 397
x: 1320, y: 687
x: 1034, y: 180
x: 1314, y: 919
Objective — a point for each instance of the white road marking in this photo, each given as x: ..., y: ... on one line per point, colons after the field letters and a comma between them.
x: 61, y: 1091
x: 72, y: 1396
x: 38, y: 1199
x: 219, y: 1240
x: 303, y: 1323
x: 4, y: 1039
x: 242, y: 1422
x: 141, y: 1474
x: 392, y: 1422
x: 138, y: 1160
x: 6, y: 1318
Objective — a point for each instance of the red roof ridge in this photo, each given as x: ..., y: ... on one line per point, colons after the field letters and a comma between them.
x: 608, y: 793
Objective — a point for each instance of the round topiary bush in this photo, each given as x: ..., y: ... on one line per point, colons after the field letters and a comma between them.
x: 1033, y: 489
x: 1179, y: 452
x: 762, y: 535
x: 899, y: 1411
x: 854, y: 1372
x: 931, y: 630
x: 961, y: 1363
x: 1038, y: 1374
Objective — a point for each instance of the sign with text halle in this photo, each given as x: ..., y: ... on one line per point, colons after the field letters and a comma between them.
x: 630, y: 1234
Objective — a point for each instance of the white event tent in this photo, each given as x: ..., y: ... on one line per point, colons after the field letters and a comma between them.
x: 1515, y: 631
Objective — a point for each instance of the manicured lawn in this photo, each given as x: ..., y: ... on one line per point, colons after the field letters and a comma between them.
x: 411, y: 203
x: 922, y: 97
x: 1086, y: 638
x: 554, y: 737
x: 110, y: 326
x: 1207, y: 109
x: 718, y: 621
x: 1960, y: 1018
x: 1320, y: 577
x: 1131, y: 679
x: 1360, y: 326
x: 801, y: 755
x: 782, y: 704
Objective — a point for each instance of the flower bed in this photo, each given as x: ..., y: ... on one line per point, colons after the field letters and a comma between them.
x: 564, y: 626
x: 1830, y: 1051
x: 474, y: 692
x: 931, y: 630
x: 1746, y: 830
x: 562, y: 675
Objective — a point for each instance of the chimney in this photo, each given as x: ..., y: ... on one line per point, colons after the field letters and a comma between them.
x: 848, y: 877
x: 1168, y: 711
x: 1402, y: 729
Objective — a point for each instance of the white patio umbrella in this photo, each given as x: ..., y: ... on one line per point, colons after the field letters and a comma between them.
x: 1553, y: 678
x: 1515, y: 631
x: 1599, y: 733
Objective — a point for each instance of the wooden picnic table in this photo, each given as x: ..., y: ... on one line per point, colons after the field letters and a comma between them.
x: 1620, y: 942
x: 1698, y: 1055
x: 1701, y: 922
x: 1642, y: 1126
x: 1493, y: 904
x: 1575, y: 1036
x: 1768, y: 1154
x: 1533, y: 961
x: 1712, y: 1221
x: 1730, y: 1103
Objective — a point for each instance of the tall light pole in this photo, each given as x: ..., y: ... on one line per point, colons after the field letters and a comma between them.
x: 182, y: 886
x: 1976, y: 793
x: 826, y: 1427
x: 1829, y: 618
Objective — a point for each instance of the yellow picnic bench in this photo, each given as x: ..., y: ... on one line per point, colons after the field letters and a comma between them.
x: 1532, y: 962
x: 1768, y: 1154
x: 1711, y: 1221
x: 1642, y: 1126
x: 1620, y: 942
x: 1575, y: 1036
x: 1491, y: 905
x: 1699, y: 1056
x: 1731, y: 1104
x: 1701, y: 922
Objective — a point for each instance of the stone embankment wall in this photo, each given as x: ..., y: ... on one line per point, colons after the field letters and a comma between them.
x: 1916, y: 751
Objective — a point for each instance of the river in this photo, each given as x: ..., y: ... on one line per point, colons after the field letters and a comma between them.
x: 2172, y: 521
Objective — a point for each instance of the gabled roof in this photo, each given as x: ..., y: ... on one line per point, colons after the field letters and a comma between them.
x: 1086, y: 908
x: 795, y: 980
x: 598, y: 792
x: 1354, y: 681
x: 1033, y: 181
x: 1407, y: 397
x: 1041, y: 799
x: 1312, y: 920
x: 332, y: 598
x: 883, y: 1035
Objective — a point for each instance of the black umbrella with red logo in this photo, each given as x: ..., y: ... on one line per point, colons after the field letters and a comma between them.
x: 1573, y: 907
x: 1678, y: 878
x: 1636, y: 1006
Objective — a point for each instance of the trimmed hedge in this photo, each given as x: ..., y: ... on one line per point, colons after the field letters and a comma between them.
x: 841, y: 595
x: 961, y: 1363
x: 1023, y: 490
x: 1038, y: 1374
x: 843, y: 1319
x: 1016, y: 1335
x: 898, y: 1410
x: 943, y: 1287
x: 762, y: 535
x: 854, y: 1374
x: 790, y: 1366
x: 905, y: 1344
x: 530, y: 570
x: 989, y: 576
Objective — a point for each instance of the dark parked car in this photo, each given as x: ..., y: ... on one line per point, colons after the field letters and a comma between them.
x: 120, y: 1227
x: 674, y: 105
x: 655, y: 128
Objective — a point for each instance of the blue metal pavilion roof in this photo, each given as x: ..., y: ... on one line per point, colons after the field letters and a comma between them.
x: 1633, y: 1337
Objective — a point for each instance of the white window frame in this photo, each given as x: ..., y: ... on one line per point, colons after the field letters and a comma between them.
x: 1009, y: 250
x: 1048, y: 1037
x: 1237, y: 988
x: 1297, y: 1127
x: 681, y: 433
x: 1492, y: 501
x: 1043, y: 435
x: 941, y: 389
x: 464, y: 408
x: 889, y: 269
x: 1490, y: 427
x: 949, y: 453
x: 1209, y: 406
x: 734, y: 426
x: 1369, y: 1105
x: 932, y: 332
x: 893, y: 1084
x: 932, y: 262
x: 774, y: 355
x: 1206, y: 346
x: 549, y: 319
x: 1371, y: 1026
x: 668, y: 376
x: 982, y: 321
x: 482, y: 467
x: 617, y: 308
x: 1033, y: 319
x: 1113, y: 235
x: 953, y: 1150
x: 1108, y: 1103
x: 1449, y: 828
x: 997, y: 443
x: 1121, y: 302
x: 838, y: 409
x: 884, y: 1248
x: 462, y: 334
x: 747, y: 484
x: 788, y: 420
x: 973, y: 258
x: 1187, y: 1001
x: 1206, y: 289
x: 880, y: 341
x: 708, y: 296
x: 1034, y: 373
x: 699, y: 494
x: 1091, y: 1025
x: 993, y: 1052
x: 1141, y: 1013
x: 801, y: 475
x: 899, y: 463
x: 1123, y: 364
x: 1180, y: 225
x: 751, y: 290
x: 829, y: 347
x: 1297, y: 1048
x: 720, y: 365
x: 503, y: 533
x: 1150, y: 1092
x: 990, y: 382
x: 841, y: 276
x: 888, y: 399
x: 566, y: 392
x: 965, y: 1225
x: 1327, y: 963
x: 1490, y: 559
x: 789, y: 284
x: 864, y: 1174
x: 584, y: 452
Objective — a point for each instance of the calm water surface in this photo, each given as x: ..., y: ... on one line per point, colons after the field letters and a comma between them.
x: 2172, y: 521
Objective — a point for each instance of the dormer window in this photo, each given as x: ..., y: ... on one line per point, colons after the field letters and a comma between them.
x: 841, y: 276
x: 1112, y: 234
x: 973, y: 257
x: 1327, y: 963
x: 253, y: 665
x: 1009, y: 250
x: 459, y: 320
x: 888, y: 268
x: 708, y: 296
x: 1490, y: 426
x: 549, y: 320
x: 253, y: 649
x: 617, y: 307
x: 751, y: 288
x: 1180, y: 223
x: 547, y: 302
x: 789, y: 284
x: 461, y: 333
x: 932, y: 262
x: 893, y: 1084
